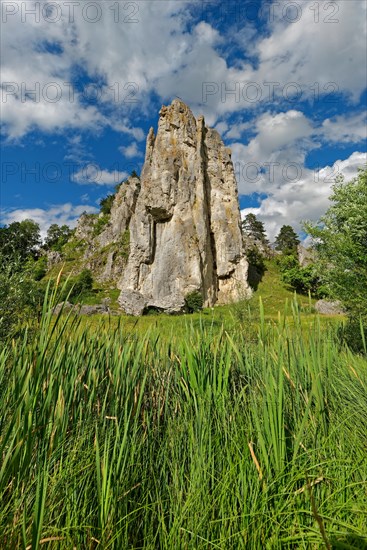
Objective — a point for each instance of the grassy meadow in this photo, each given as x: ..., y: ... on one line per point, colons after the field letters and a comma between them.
x: 240, y: 427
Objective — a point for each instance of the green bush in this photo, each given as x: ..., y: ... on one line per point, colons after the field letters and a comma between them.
x: 100, y: 224
x: 106, y: 204
x: 256, y: 260
x: 257, y: 267
x: 78, y: 287
x: 194, y: 302
x: 20, y: 300
x: 40, y: 268
x: 302, y: 279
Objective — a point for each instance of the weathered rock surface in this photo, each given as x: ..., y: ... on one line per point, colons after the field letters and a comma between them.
x: 62, y: 307
x: 326, y: 307
x: 80, y: 309
x: 53, y: 258
x: 306, y: 256
x: 184, y: 220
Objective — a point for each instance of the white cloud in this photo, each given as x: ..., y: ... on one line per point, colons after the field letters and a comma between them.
x: 323, y: 46
x: 345, y: 129
x: 163, y: 54
x: 131, y: 150
x: 278, y: 150
x: 237, y: 130
x: 61, y: 214
x: 135, y: 132
x: 275, y: 154
x: 304, y: 199
x: 92, y: 174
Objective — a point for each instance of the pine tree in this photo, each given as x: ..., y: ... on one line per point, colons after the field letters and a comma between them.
x: 287, y: 240
x: 252, y: 227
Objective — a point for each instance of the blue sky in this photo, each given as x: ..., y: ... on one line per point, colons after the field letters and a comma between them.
x: 284, y: 82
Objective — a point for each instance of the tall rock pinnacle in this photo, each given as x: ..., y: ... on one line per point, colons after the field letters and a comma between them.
x: 185, y: 232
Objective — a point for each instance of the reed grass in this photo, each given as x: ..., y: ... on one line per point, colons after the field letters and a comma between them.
x: 114, y: 440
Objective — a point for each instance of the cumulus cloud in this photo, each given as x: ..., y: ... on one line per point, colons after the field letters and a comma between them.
x: 157, y: 48
x: 324, y: 45
x: 345, y: 129
x: 130, y: 151
x: 306, y: 198
x: 92, y: 174
x: 61, y: 214
x: 277, y: 152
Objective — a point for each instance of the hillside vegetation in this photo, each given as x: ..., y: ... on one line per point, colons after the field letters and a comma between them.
x: 119, y: 439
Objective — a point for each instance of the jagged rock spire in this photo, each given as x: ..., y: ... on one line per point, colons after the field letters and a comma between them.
x: 185, y: 232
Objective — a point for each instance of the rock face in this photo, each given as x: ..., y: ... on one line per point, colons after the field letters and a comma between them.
x: 183, y: 219
x: 326, y: 307
x: 306, y: 256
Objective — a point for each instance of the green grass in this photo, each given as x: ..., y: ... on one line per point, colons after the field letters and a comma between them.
x: 115, y: 438
x: 274, y: 292
x: 244, y: 315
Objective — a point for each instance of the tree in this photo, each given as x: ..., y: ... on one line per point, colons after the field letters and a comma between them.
x: 253, y: 227
x: 20, y: 240
x: 20, y: 298
x: 106, y: 204
x: 57, y: 236
x: 340, y: 238
x: 287, y: 240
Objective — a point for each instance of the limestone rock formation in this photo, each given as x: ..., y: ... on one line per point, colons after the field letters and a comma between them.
x: 183, y: 219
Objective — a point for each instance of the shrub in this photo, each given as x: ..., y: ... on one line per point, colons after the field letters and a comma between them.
x: 257, y: 267
x: 302, y: 279
x: 100, y: 224
x: 40, y: 268
x: 194, y: 301
x: 20, y: 300
x: 78, y: 287
x: 106, y: 204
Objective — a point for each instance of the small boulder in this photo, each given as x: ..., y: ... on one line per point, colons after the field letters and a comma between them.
x: 132, y: 302
x: 62, y: 306
x: 326, y: 307
x: 92, y: 310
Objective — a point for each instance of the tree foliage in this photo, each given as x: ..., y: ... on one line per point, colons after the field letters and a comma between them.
x: 194, y: 301
x: 287, y: 240
x: 57, y: 236
x: 340, y: 239
x: 19, y: 241
x: 20, y: 297
x: 106, y: 204
x: 252, y: 227
x: 78, y: 287
x: 303, y: 279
